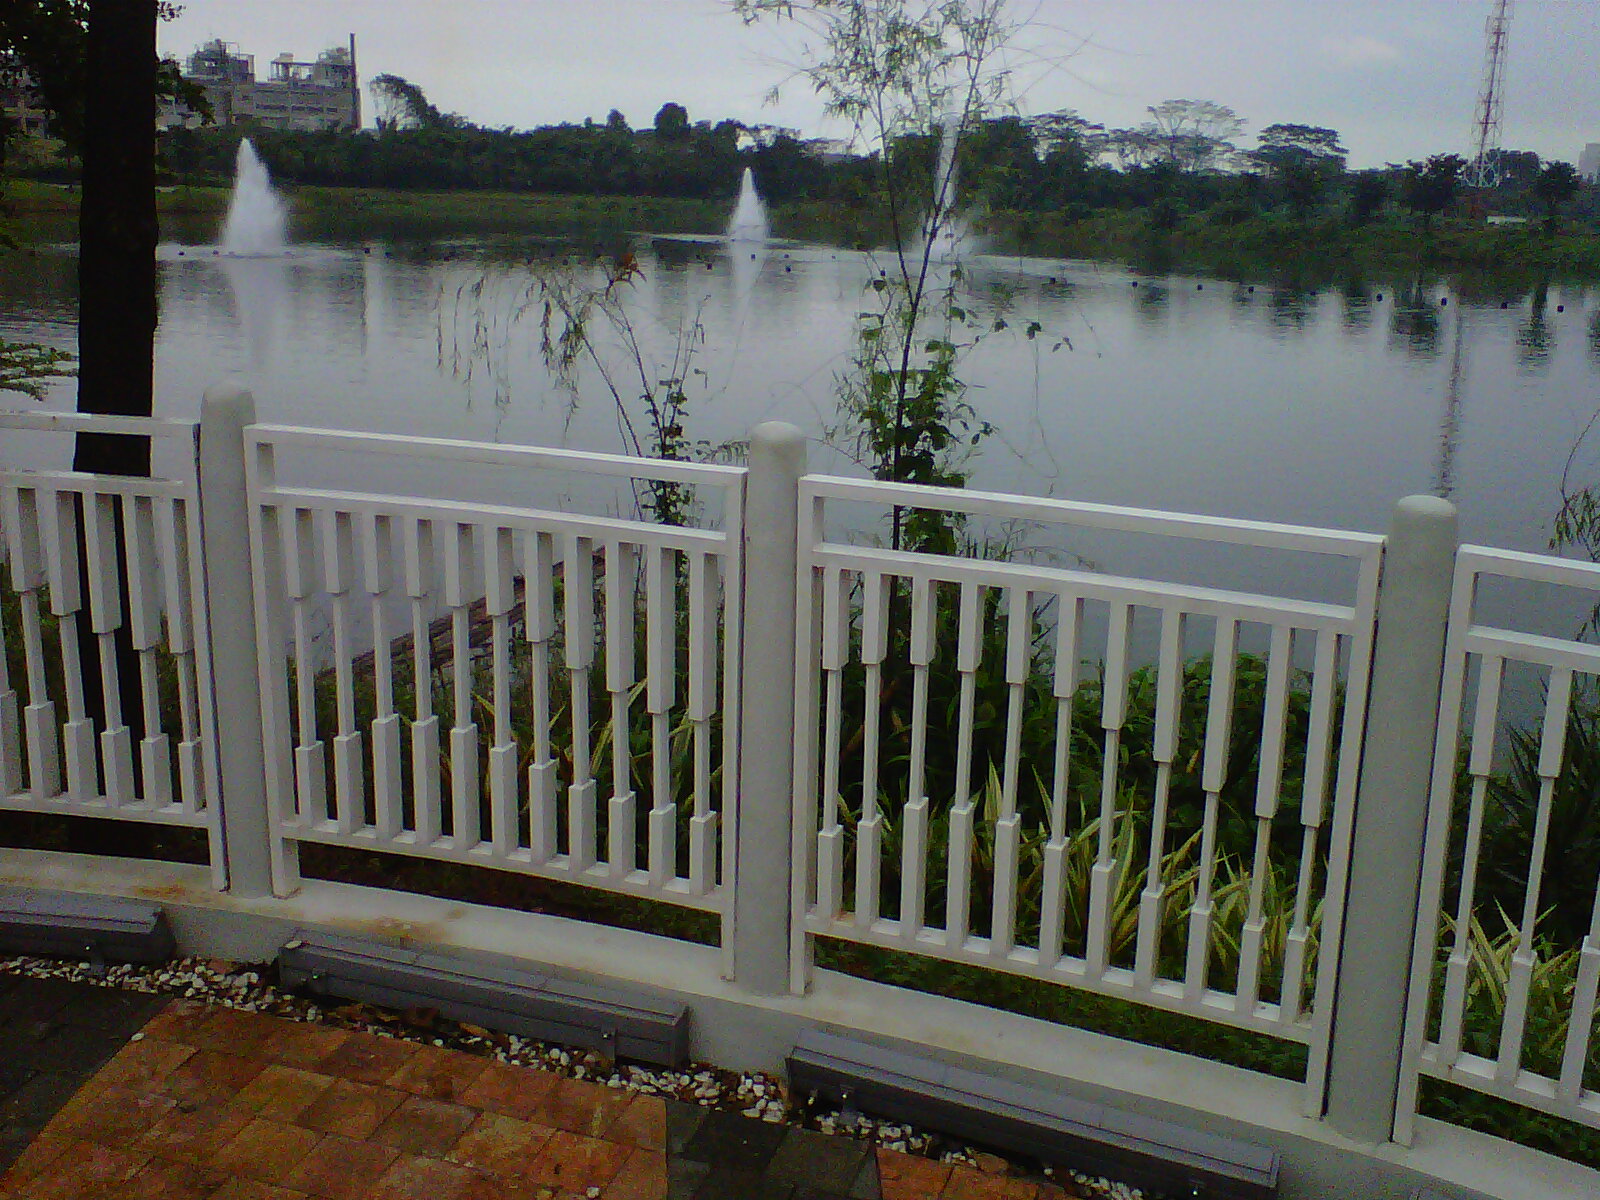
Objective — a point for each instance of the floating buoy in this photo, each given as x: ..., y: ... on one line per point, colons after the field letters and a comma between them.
x: 1199, y: 287
x: 1561, y: 308
x: 1380, y: 297
x: 1505, y: 304
x: 1443, y: 300
x: 1252, y: 289
x: 1135, y: 283
x: 366, y: 250
x: 180, y: 253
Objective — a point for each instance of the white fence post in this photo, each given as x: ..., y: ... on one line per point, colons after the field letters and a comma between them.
x: 230, y: 605
x: 766, y: 724
x: 1390, y: 820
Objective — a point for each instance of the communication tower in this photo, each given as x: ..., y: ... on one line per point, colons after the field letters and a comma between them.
x: 1484, y: 170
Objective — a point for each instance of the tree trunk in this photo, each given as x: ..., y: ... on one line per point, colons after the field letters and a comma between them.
x: 117, y: 234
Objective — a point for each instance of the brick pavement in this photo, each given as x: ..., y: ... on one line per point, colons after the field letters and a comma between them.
x: 211, y: 1103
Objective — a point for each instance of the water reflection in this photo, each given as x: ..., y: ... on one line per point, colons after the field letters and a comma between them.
x: 1356, y: 307
x: 1150, y: 303
x: 1292, y: 310
x: 261, y: 302
x: 1444, y: 481
x: 1414, y: 323
x: 1534, y: 335
x: 1594, y: 338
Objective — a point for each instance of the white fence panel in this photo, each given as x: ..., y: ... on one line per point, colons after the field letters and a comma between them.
x: 1041, y: 769
x: 1507, y: 959
x: 103, y: 574
x: 535, y: 690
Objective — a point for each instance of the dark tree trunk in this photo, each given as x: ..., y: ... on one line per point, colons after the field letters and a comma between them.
x: 117, y: 234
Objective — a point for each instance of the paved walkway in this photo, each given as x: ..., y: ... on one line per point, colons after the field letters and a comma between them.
x: 108, y: 1094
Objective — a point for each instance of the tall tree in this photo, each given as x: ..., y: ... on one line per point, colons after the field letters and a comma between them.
x: 1194, y: 135
x: 672, y: 122
x: 1302, y: 161
x: 1430, y: 186
x: 1555, y: 188
x: 118, y: 231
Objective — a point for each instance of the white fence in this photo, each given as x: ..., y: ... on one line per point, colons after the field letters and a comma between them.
x: 1512, y: 1011
x: 1138, y: 788
x: 1089, y: 881
x: 452, y: 756
x: 106, y: 575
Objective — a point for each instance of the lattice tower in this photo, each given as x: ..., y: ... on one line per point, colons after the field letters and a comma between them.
x: 1484, y: 170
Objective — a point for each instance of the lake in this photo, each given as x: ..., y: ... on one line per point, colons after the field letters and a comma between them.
x: 1176, y: 391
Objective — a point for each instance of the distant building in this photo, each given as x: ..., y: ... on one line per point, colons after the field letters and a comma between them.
x: 1589, y: 164
x: 321, y: 94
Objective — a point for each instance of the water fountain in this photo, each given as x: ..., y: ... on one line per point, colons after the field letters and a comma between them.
x: 749, y: 221
x: 255, y: 223
x: 946, y: 230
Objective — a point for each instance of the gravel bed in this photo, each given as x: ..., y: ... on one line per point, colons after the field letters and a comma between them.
x: 253, y: 988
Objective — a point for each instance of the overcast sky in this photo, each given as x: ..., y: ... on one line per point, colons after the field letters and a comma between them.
x: 1398, y: 78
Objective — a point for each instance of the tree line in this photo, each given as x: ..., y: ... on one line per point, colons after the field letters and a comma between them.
x: 1189, y: 157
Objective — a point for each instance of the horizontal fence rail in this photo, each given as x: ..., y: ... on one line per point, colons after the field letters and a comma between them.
x: 987, y: 773
x: 1507, y: 959
x: 105, y: 695
x: 540, y: 691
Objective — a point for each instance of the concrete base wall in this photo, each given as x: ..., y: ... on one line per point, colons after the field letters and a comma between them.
x: 734, y: 1028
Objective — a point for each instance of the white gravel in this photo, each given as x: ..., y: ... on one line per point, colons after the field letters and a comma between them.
x: 763, y: 1097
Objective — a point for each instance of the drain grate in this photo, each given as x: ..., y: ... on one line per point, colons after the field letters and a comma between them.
x: 1027, y: 1120
x: 512, y: 998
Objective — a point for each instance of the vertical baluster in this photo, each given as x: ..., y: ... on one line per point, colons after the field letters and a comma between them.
x: 1164, y: 748
x: 1008, y: 827
x: 835, y: 654
x: 1313, y: 803
x: 661, y: 684
x: 1269, y: 783
x: 969, y: 650
x: 500, y: 597
x: 703, y: 571
x: 578, y: 577
x: 144, y: 630
x: 1580, y: 1024
x: 310, y: 761
x: 1213, y: 774
x: 914, y: 830
x: 60, y: 528
x: 172, y: 532
x: 1552, y: 745
x: 1052, y: 914
x: 426, y: 814
x: 1113, y: 710
x: 869, y: 833
x: 377, y: 567
x: 28, y: 577
x: 622, y: 823
x: 105, y: 618
x: 11, y: 775
x: 460, y: 591
x: 1480, y: 761
x: 539, y: 626
x: 338, y: 562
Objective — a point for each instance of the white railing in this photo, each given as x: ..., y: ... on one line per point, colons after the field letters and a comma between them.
x: 1035, y: 867
x: 581, y: 624
x: 105, y: 573
x: 1082, y: 777
x: 1501, y: 1002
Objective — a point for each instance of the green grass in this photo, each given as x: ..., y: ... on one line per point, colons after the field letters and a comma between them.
x: 34, y: 212
x: 1313, y: 252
